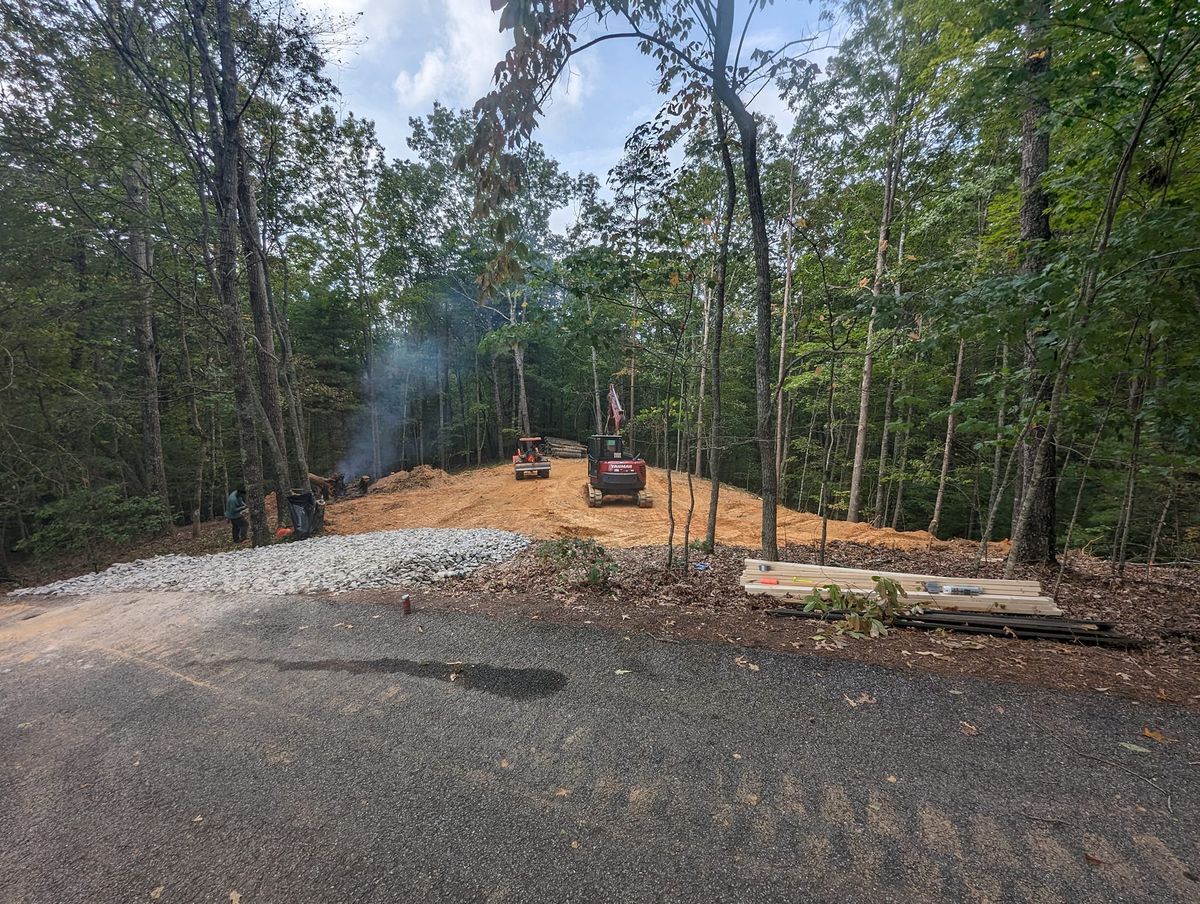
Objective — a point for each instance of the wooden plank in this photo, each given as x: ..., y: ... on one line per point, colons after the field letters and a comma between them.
x: 1014, y: 604
x: 831, y: 577
x: 866, y: 583
x: 863, y: 585
x: 831, y: 569
x: 833, y: 573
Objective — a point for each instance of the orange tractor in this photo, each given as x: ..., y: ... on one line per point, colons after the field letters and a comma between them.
x: 530, y: 460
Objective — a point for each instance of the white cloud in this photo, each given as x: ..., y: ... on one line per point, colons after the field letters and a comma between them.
x: 458, y: 69
x: 363, y: 28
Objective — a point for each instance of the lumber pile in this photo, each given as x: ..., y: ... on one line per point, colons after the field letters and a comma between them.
x: 565, y: 448
x: 790, y: 579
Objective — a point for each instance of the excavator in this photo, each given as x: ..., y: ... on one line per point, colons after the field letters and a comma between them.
x: 612, y: 472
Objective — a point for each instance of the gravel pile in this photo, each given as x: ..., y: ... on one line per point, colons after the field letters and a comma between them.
x: 395, y: 558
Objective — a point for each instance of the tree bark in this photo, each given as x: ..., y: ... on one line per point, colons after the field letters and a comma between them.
x: 224, y: 131
x: 700, y: 385
x: 518, y: 354
x: 789, y: 263
x: 598, y: 407
x: 1137, y: 398
x: 747, y: 127
x: 1038, y: 543
x: 264, y: 339
x: 948, y: 450
x: 891, y: 179
x: 880, y: 513
x: 141, y: 258
x: 499, y: 408
x: 718, y: 328
x: 1089, y: 286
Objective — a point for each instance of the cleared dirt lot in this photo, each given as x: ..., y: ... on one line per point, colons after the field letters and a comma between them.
x: 491, y: 497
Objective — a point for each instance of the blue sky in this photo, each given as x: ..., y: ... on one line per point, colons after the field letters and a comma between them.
x: 397, y: 56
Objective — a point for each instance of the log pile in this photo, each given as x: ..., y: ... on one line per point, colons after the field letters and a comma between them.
x: 565, y: 448
x: 791, y: 580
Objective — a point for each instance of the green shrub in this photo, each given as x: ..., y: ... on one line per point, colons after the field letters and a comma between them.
x: 89, y: 518
x: 587, y: 555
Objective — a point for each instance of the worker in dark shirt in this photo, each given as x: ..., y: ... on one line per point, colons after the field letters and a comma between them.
x: 238, y: 513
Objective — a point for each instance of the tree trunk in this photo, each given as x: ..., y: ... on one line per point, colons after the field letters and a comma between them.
x: 1158, y: 527
x: 287, y: 369
x: 700, y: 385
x: 948, y: 450
x: 518, y: 354
x: 747, y: 126
x: 1038, y: 543
x: 880, y: 513
x: 827, y: 466
x: 499, y: 408
x: 225, y: 144
x: 718, y: 329
x: 264, y: 340
x: 141, y: 258
x: 598, y: 407
x: 998, y: 454
x: 195, y: 424
x: 1089, y: 286
x: 890, y: 181
x: 789, y: 263
x: 1137, y: 397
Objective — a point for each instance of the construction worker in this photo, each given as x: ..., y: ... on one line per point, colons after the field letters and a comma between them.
x: 238, y: 513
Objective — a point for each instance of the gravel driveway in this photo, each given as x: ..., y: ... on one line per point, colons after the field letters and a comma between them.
x: 408, y: 558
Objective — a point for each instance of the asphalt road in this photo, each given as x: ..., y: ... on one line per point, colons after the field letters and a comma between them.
x: 249, y: 749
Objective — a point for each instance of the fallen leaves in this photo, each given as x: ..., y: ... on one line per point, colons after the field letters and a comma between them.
x: 1155, y: 735
x: 235, y: 897
x: 744, y: 663
x: 623, y: 672
x: 967, y: 728
x: 1092, y: 858
x: 1133, y: 748
x: 157, y: 893
x: 891, y: 779
x: 863, y: 699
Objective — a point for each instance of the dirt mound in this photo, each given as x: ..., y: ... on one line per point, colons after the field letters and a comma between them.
x: 420, y: 476
x: 490, y: 497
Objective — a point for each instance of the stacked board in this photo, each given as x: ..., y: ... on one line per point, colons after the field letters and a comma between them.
x: 789, y: 579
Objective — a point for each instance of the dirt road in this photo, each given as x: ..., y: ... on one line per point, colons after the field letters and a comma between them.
x: 491, y: 497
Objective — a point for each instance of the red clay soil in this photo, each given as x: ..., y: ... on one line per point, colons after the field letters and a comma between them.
x: 555, y: 508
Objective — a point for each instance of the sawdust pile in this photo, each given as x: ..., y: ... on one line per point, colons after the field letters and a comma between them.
x: 420, y: 476
x: 548, y: 509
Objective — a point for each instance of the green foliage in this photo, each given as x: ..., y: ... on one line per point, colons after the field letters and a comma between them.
x: 864, y: 615
x: 583, y: 555
x: 91, y: 517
